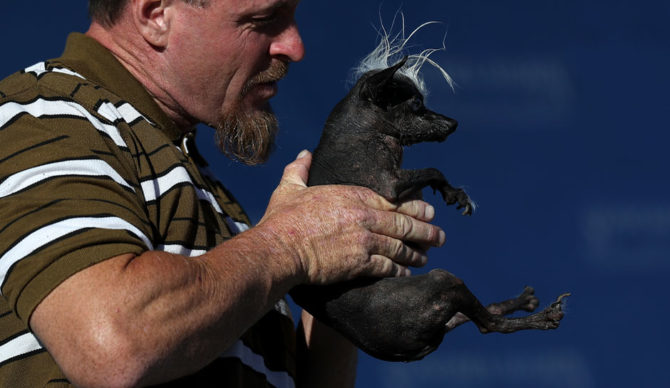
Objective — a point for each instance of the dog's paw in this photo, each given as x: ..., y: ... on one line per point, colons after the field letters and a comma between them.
x: 458, y: 196
x: 554, y: 313
x: 468, y: 208
x: 527, y: 300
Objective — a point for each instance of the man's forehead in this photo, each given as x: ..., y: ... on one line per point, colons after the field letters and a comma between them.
x: 260, y: 5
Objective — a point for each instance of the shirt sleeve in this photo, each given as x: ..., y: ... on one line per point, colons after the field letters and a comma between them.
x: 69, y: 198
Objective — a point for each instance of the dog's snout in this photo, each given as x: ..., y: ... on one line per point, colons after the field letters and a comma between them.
x: 447, y: 124
x: 452, y: 124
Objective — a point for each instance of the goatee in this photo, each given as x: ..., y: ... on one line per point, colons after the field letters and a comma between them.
x: 248, y: 135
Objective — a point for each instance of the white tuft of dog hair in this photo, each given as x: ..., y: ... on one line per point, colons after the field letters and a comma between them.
x: 393, y: 47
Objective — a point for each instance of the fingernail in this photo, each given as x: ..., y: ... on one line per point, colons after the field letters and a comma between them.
x: 302, y: 154
x: 430, y: 212
x: 442, y: 238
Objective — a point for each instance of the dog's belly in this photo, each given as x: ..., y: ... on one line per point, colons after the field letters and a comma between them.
x: 393, y: 319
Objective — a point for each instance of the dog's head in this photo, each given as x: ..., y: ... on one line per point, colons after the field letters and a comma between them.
x: 394, y: 102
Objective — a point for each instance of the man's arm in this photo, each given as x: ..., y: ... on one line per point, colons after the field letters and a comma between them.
x: 140, y: 320
x: 325, y: 358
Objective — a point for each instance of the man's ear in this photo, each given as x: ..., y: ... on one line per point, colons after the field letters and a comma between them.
x: 152, y: 20
x: 375, y: 84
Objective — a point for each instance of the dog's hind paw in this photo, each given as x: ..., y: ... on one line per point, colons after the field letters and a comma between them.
x: 527, y: 301
x: 554, y: 313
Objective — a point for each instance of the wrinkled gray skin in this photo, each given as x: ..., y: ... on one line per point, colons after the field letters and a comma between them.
x: 399, y: 319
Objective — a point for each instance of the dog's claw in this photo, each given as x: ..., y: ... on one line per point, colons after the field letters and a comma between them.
x: 554, y: 312
x: 559, y: 300
x: 469, y: 207
x: 458, y: 196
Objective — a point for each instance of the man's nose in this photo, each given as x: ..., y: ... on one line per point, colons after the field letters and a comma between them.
x: 288, y: 44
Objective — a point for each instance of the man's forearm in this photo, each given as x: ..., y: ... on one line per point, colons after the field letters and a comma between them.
x: 158, y: 316
x: 325, y: 358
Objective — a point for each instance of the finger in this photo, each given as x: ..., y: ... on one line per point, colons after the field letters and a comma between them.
x: 371, y: 199
x: 293, y: 179
x: 406, y: 228
x: 399, y: 252
x: 418, y: 209
x: 421, y: 248
x: 297, y: 172
x: 382, y: 266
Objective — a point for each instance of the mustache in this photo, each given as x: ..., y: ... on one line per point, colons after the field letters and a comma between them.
x: 274, y: 73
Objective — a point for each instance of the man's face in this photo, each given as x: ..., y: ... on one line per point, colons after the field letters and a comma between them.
x: 226, y: 59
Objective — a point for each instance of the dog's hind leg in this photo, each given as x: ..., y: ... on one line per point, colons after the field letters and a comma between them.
x: 410, y: 181
x: 487, y: 322
x: 526, y: 301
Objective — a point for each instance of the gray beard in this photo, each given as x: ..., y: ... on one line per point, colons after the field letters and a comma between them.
x: 247, y: 136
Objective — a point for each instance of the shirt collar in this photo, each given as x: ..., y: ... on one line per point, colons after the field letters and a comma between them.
x: 97, y: 64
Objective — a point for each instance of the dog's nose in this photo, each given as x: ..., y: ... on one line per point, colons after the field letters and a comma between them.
x: 446, y: 123
x: 449, y: 124
x: 452, y: 123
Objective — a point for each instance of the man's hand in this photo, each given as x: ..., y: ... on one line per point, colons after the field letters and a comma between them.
x: 340, y: 232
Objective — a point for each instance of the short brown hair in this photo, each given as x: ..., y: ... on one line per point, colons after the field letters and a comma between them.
x: 106, y: 12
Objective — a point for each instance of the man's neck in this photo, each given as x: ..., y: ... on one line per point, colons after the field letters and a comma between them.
x: 133, y: 54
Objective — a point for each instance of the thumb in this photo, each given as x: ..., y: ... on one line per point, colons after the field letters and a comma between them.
x: 294, y: 179
x: 297, y: 172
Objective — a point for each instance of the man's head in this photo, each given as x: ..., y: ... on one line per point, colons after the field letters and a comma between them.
x: 211, y: 61
x: 106, y: 12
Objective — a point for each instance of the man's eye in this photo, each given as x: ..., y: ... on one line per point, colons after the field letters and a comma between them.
x: 264, y: 20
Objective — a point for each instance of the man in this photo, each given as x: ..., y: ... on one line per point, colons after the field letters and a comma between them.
x: 122, y: 262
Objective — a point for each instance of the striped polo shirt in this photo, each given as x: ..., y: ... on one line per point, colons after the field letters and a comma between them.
x: 92, y: 168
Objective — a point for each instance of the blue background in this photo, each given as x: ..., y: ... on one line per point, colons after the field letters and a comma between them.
x: 563, y: 138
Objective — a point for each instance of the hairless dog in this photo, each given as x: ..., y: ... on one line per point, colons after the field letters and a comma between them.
x: 406, y: 318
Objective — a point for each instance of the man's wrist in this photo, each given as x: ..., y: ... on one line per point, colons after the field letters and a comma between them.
x: 280, y: 249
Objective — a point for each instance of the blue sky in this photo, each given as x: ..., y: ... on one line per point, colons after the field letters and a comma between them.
x: 562, y: 142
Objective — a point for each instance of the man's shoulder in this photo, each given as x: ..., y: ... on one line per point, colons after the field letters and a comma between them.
x: 51, y: 90
x: 42, y: 75
x: 51, y: 80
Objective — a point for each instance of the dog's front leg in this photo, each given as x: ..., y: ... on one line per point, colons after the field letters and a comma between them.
x: 411, y: 181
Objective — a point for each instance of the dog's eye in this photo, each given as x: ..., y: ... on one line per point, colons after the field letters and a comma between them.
x: 416, y: 104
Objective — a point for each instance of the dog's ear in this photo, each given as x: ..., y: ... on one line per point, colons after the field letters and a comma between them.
x: 374, y: 85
